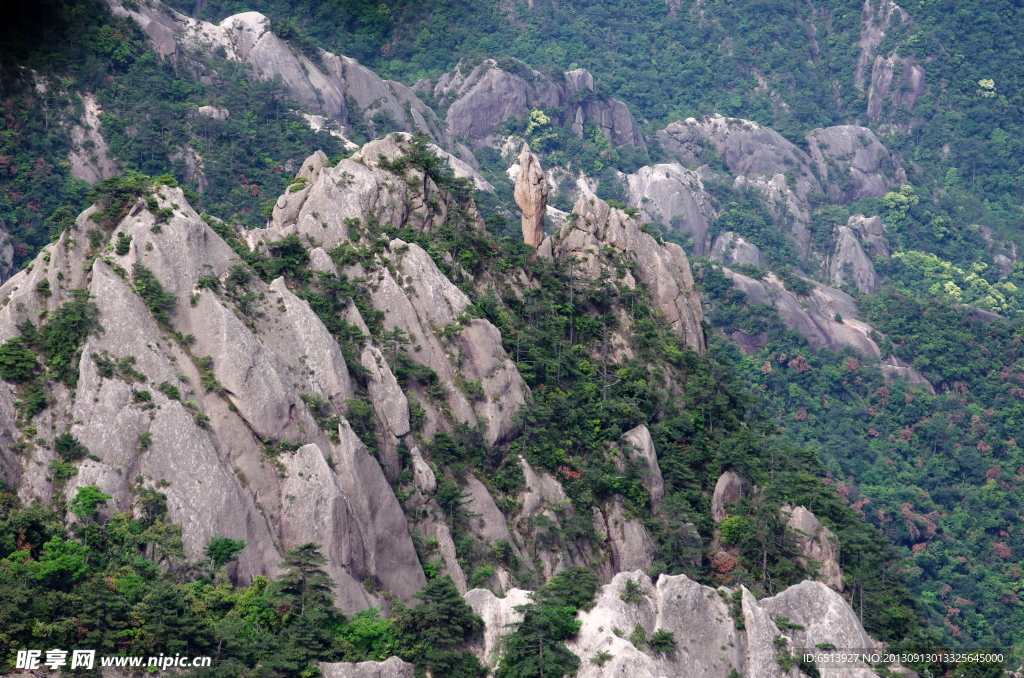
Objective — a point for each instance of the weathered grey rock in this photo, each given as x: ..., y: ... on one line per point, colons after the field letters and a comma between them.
x: 422, y: 475
x: 1003, y: 262
x: 852, y: 163
x: 731, y: 248
x: 817, y: 543
x: 728, y: 490
x: 503, y: 390
x: 90, y: 156
x: 389, y: 402
x: 498, y: 614
x: 312, y: 495
x: 826, y: 618
x: 673, y: 196
x: 449, y: 556
x: 531, y: 194
x: 812, y: 316
x: 481, y: 97
x: 849, y: 264
x: 664, y: 269
x: 638, y: 446
x: 630, y: 546
x: 893, y: 367
x: 903, y: 78
x: 760, y: 157
x: 488, y: 522
x: 392, y: 667
x: 871, y: 231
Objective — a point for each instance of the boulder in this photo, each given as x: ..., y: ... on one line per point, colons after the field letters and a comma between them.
x: 531, y: 194
x: 673, y: 196
x: 731, y: 248
x: 728, y: 490
x: 893, y: 367
x: 818, y: 544
x: 871, y: 231
x: 392, y: 667
x: 849, y: 264
x: 852, y: 163
x: 638, y: 446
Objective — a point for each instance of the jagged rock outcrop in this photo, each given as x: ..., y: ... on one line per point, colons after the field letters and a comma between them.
x: 325, y: 84
x: 638, y: 447
x: 732, y: 248
x: 230, y: 471
x: 392, y: 667
x: 708, y: 642
x: 852, y: 163
x: 871, y: 231
x: 901, y: 77
x: 818, y: 544
x: 90, y: 156
x: 664, y: 268
x: 849, y: 264
x: 325, y: 201
x: 498, y: 614
x: 812, y: 316
x: 482, y: 96
x: 531, y: 194
x: 673, y: 196
x: 760, y: 157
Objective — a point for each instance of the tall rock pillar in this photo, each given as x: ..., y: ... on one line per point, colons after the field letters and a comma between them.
x: 531, y: 196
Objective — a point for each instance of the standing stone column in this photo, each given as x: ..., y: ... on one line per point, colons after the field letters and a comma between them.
x: 532, y: 196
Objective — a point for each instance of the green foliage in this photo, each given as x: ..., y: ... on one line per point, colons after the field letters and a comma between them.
x: 662, y: 642
x: 87, y: 500
x: 159, y: 301
x: 222, y: 550
x: 17, y: 363
x: 632, y: 592
x: 68, y: 447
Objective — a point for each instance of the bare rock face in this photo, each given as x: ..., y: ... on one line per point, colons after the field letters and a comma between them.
x: 731, y: 248
x: 213, y: 468
x: 893, y: 367
x: 871, y: 231
x: 708, y: 644
x: 673, y: 196
x: 760, y: 157
x: 853, y: 163
x: 481, y: 97
x: 322, y: 85
x: 392, y: 667
x: 665, y: 269
x: 90, y: 156
x: 728, y: 490
x: 903, y: 78
x: 812, y: 316
x: 531, y: 195
x: 631, y: 547
x: 850, y: 265
x: 498, y: 614
x: 817, y: 543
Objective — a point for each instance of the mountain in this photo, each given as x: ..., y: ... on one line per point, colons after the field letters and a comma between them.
x: 744, y: 352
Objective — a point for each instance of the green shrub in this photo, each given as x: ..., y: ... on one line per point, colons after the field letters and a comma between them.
x: 159, y: 301
x: 662, y: 641
x: 43, y: 287
x: 124, y: 243
x: 17, y: 363
x: 68, y: 447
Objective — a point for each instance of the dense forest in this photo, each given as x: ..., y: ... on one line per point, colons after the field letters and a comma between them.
x: 919, y: 486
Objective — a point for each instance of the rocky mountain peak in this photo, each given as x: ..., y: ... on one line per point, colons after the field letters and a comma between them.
x: 531, y: 194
